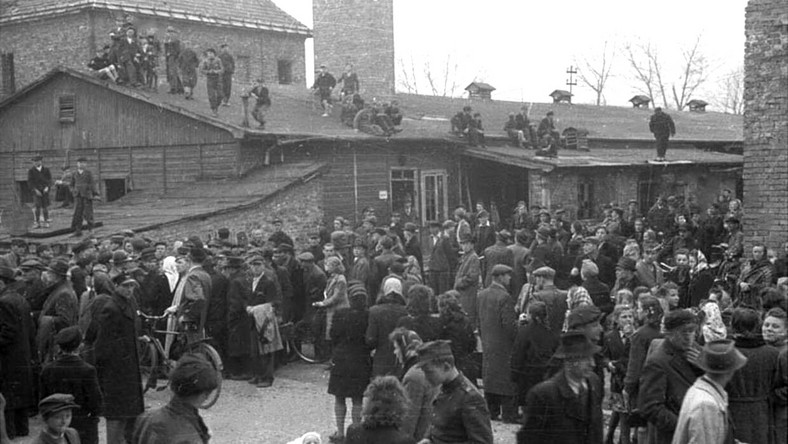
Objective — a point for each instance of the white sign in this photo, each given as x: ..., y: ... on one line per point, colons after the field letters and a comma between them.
x: 383, y: 195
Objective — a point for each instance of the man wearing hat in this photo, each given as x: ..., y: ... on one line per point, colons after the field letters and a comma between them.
x: 412, y: 245
x: 279, y: 237
x: 661, y: 124
x: 56, y: 412
x: 192, y: 310
x: 497, y: 328
x: 667, y: 375
x: 84, y: 190
x: 605, y: 265
x: 155, y: 294
x: 499, y: 253
x: 566, y: 408
x: 191, y: 382
x: 172, y: 49
x: 554, y: 298
x: 360, y: 271
x: 439, y: 266
x: 18, y: 251
x: 69, y: 374
x: 459, y: 412
x: 239, y: 290
x: 466, y: 281
x: 16, y: 372
x: 39, y: 181
x: 60, y: 310
x: 704, y: 417
x: 587, y: 320
x: 484, y: 234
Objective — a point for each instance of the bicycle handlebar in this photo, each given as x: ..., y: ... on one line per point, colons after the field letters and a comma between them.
x: 152, y: 317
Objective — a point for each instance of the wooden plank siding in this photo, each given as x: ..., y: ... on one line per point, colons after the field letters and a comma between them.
x: 122, y: 137
x: 359, y: 171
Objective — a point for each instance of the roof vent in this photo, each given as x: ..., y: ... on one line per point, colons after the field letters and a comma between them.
x: 560, y: 95
x: 697, y: 106
x: 640, y: 101
x: 480, y: 90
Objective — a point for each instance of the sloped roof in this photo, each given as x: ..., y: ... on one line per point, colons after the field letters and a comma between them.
x: 250, y: 14
x: 481, y: 85
x: 560, y: 93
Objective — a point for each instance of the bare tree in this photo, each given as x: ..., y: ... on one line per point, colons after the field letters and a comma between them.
x: 693, y: 74
x: 595, y: 73
x: 730, y: 96
x: 441, y: 81
x: 654, y: 80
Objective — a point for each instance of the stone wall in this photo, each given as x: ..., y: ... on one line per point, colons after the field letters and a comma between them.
x: 360, y: 32
x: 72, y: 40
x: 299, y: 207
x: 766, y: 122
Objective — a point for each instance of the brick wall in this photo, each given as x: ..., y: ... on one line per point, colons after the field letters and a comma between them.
x: 360, y: 32
x: 72, y: 40
x: 766, y: 122
x: 300, y: 209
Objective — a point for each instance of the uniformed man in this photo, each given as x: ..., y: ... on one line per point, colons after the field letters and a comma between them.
x: 459, y: 412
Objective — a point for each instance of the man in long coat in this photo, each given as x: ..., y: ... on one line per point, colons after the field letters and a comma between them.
x: 193, y: 308
x: 439, y: 266
x: 84, y: 190
x: 16, y: 347
x: 667, y: 375
x: 756, y: 274
x: 172, y: 50
x: 60, y: 310
x: 497, y: 254
x: 39, y: 180
x: 239, y: 290
x: 228, y: 62
x: 497, y: 327
x: 466, y: 281
x: 264, y: 291
x: 661, y: 124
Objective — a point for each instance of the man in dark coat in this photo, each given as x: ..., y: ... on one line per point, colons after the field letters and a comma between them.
x: 554, y: 299
x: 383, y: 319
x: 228, y: 62
x: 172, y: 49
x: 532, y: 351
x: 438, y: 266
x: 129, y: 54
x: 193, y: 309
x: 239, y: 290
x: 216, y: 318
x: 484, y: 232
x: 84, y: 190
x: 661, y: 124
x: 279, y: 237
x: 466, y: 281
x: 324, y: 84
x: 188, y: 62
x: 668, y: 374
x: 60, y: 310
x: 382, y: 263
x: 39, y: 181
x: 16, y: 348
x: 113, y: 335
x: 497, y: 324
x: 412, y: 242
x: 567, y: 408
x: 498, y: 254
x: 264, y: 291
x: 459, y: 412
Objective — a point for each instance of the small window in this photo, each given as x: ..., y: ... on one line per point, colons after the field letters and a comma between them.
x: 67, y: 108
x: 285, y: 68
x: 116, y: 188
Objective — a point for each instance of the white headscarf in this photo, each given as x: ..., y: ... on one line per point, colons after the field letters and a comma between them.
x: 169, y: 269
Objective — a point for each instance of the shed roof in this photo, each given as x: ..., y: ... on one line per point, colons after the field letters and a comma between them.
x: 250, y: 14
x: 480, y: 85
x: 560, y: 93
x: 697, y: 102
x: 640, y: 98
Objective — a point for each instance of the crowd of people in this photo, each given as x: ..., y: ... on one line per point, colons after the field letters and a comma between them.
x: 689, y: 328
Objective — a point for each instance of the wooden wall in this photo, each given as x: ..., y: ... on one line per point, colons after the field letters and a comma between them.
x: 122, y: 137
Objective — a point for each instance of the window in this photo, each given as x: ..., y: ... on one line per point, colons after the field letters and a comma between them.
x: 585, y: 199
x: 67, y: 107
x: 434, y: 196
x: 403, y: 188
x: 7, y: 81
x: 285, y: 70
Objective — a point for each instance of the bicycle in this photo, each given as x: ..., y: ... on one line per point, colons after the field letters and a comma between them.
x: 154, y: 363
x: 304, y: 340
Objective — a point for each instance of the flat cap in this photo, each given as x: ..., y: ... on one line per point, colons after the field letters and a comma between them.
x: 306, y: 256
x: 544, y: 272
x: 55, y: 403
x: 583, y: 315
x: 410, y: 227
x: 148, y: 254
x: 679, y: 318
x: 82, y: 246
x: 69, y: 338
x: 192, y: 375
x: 501, y: 269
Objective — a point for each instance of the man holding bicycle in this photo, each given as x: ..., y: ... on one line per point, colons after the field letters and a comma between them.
x: 191, y: 301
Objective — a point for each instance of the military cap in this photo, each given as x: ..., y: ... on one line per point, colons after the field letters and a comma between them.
x: 576, y: 345
x: 544, y: 272
x: 7, y: 274
x: 306, y: 257
x: 679, y: 318
x: 56, y: 403
x: 193, y: 375
x: 626, y: 263
x: 82, y: 246
x: 148, y: 254
x: 69, y: 338
x: 433, y: 350
x: 501, y: 269
x: 583, y: 315
x: 160, y: 242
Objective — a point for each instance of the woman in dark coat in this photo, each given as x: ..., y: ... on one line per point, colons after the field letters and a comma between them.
x: 751, y: 388
x: 419, y: 318
x: 534, y: 345
x: 113, y: 335
x: 385, y: 405
x: 239, y: 324
x: 455, y: 326
x: 615, y: 350
x: 352, y: 367
x: 383, y: 318
x: 16, y: 346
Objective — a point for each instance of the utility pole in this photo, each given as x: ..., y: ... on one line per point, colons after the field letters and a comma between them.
x: 571, y: 81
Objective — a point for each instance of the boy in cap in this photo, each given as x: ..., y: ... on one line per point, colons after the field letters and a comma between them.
x: 84, y: 190
x: 69, y: 374
x: 567, y: 407
x: 459, y: 412
x: 56, y: 412
x: 39, y: 180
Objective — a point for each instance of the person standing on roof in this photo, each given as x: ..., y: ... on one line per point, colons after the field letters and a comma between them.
x: 661, y: 124
x: 324, y: 84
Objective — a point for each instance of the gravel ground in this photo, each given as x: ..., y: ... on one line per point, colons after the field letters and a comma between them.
x: 297, y: 403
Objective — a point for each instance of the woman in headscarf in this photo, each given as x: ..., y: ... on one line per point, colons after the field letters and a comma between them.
x: 420, y: 392
x: 419, y: 318
x: 385, y: 406
x: 712, y: 328
x: 352, y: 367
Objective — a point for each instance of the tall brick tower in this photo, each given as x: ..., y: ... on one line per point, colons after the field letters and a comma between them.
x: 360, y: 32
x: 766, y: 123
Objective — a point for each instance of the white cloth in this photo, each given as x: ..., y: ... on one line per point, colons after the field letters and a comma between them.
x: 308, y: 438
x: 169, y: 269
x: 267, y: 327
x: 703, y: 418
x: 172, y: 322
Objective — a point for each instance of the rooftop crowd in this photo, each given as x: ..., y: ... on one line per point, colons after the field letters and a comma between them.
x: 517, y: 318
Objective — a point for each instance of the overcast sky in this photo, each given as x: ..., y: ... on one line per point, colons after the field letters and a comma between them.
x: 524, y: 48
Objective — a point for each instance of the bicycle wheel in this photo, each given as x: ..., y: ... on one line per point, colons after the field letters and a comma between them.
x: 148, y: 362
x: 213, y: 357
x: 306, y: 344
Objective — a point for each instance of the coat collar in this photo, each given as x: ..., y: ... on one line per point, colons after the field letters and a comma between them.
x: 679, y: 362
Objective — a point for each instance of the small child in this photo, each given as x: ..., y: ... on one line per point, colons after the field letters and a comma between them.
x: 69, y: 374
x: 56, y: 412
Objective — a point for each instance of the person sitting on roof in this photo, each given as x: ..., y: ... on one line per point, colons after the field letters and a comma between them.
x: 102, y: 67
x: 549, y: 147
x: 365, y: 122
x: 460, y: 121
x: 384, y: 121
x: 476, y: 131
x: 547, y: 128
x: 392, y: 110
x: 262, y: 101
x: 351, y: 105
x: 515, y: 134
